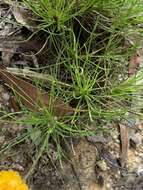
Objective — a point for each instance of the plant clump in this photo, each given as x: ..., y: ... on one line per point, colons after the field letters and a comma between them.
x: 91, y: 43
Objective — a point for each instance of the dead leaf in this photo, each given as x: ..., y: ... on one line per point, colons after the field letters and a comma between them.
x: 24, y: 17
x: 124, y: 138
x: 33, y: 97
x: 35, y: 46
x: 13, y: 104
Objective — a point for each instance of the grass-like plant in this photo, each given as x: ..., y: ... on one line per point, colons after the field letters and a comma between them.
x: 57, y: 13
x: 89, y: 37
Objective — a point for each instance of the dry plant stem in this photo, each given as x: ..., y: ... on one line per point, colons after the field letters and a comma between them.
x: 9, y: 2
x: 26, y: 72
x: 124, y: 144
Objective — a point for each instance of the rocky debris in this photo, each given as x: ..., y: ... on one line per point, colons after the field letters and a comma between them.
x: 128, y: 179
x: 84, y: 169
x: 93, y: 164
x: 7, y: 24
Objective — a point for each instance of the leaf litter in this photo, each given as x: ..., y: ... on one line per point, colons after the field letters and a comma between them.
x: 32, y: 97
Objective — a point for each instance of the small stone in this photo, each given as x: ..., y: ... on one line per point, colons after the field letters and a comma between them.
x: 117, y: 141
x: 140, y: 171
x: 136, y: 153
x: 12, y: 110
x: 116, y: 175
x: 140, y: 154
x: 5, y: 96
x: 137, y: 139
x: 102, y: 165
x: 7, y: 103
x: 98, y: 138
x: 17, y: 166
x: 140, y: 126
x: 138, y: 160
x: 108, y: 185
x: 115, y: 136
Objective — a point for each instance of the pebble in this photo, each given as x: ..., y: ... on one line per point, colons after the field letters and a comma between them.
x: 17, y: 166
x: 115, y: 136
x: 102, y: 165
x: 7, y: 104
x: 116, y: 175
x: 140, y: 126
x: 138, y: 160
x: 12, y: 110
x: 137, y: 139
x: 118, y: 172
x: 108, y: 185
x: 140, y: 154
x: 136, y: 153
x: 117, y: 141
x: 140, y: 171
x: 98, y: 138
x: 5, y: 96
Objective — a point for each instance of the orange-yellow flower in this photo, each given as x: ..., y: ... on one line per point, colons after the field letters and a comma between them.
x: 11, y: 180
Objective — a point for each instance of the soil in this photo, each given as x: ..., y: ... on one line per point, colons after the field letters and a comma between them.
x: 91, y: 164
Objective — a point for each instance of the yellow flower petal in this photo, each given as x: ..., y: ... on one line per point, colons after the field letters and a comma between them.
x: 11, y: 180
